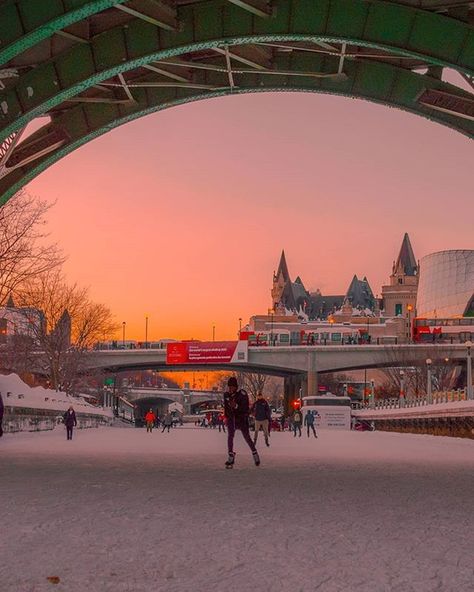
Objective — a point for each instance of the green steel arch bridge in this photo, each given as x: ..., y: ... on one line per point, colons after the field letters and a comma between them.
x: 83, y: 67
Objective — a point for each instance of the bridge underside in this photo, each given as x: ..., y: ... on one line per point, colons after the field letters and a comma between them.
x: 88, y: 66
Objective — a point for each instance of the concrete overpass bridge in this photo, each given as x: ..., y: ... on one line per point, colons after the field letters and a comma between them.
x: 299, y: 365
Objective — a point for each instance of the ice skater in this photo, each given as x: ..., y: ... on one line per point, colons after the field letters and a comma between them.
x: 150, y: 419
x: 167, y: 422
x: 309, y: 422
x: 236, y: 411
x: 263, y: 415
x: 221, y: 422
x: 296, y: 422
x: 70, y: 422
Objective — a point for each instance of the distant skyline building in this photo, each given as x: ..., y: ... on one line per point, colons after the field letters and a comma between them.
x: 293, y: 297
x: 446, y: 284
x: 399, y: 296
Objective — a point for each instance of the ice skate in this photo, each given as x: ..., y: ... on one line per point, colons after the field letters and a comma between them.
x: 256, y: 458
x: 229, y: 463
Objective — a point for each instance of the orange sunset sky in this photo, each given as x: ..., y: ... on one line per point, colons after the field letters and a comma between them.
x: 182, y: 215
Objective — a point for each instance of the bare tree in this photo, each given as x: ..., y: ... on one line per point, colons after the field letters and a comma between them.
x: 24, y: 252
x: 415, y: 372
x: 63, y: 324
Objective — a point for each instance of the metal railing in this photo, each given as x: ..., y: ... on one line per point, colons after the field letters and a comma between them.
x: 418, y: 401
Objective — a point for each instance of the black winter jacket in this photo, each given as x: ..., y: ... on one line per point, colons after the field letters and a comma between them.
x: 261, y: 410
x: 236, y: 407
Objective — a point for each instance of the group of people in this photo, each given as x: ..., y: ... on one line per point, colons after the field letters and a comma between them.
x: 297, y: 422
x: 152, y: 420
x: 211, y: 420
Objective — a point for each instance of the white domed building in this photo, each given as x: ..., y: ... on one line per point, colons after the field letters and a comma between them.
x: 446, y: 284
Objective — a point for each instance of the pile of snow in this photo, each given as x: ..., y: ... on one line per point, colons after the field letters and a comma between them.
x: 16, y: 393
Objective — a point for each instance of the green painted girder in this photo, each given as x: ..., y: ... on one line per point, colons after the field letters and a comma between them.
x: 25, y: 23
x: 376, y: 82
x: 400, y: 29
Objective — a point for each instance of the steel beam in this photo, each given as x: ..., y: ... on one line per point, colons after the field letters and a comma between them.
x: 152, y: 11
x: 261, y: 8
x: 17, y: 35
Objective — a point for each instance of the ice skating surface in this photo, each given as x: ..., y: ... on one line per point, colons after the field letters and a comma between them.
x: 125, y: 511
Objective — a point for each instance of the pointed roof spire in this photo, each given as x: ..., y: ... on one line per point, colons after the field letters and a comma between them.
x: 10, y: 303
x: 406, y: 261
x: 283, y: 267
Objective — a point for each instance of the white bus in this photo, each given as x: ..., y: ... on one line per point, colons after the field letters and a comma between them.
x: 332, y: 412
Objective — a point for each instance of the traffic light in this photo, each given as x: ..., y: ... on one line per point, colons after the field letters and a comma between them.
x: 296, y: 404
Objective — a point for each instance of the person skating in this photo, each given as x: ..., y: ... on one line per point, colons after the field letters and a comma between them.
x: 167, y: 422
x: 297, y: 421
x: 262, y: 413
x: 221, y: 422
x: 236, y: 411
x: 150, y: 419
x: 309, y: 422
x: 70, y: 422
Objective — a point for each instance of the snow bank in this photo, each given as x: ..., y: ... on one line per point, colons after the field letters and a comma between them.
x: 16, y: 393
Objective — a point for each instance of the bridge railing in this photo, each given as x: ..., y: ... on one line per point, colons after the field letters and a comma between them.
x: 420, y: 401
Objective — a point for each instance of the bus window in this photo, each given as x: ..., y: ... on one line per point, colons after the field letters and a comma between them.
x: 284, y: 338
x: 336, y: 336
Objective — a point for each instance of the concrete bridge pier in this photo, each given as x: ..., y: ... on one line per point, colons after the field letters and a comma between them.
x: 312, y: 375
x: 186, y: 402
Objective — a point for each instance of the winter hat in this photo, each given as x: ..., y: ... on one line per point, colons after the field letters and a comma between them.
x: 232, y: 381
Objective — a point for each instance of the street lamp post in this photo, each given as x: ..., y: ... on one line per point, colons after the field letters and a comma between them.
x: 146, y: 332
x: 469, y: 391
x: 123, y: 334
x: 429, y: 392
x: 213, y: 332
x: 372, y: 393
x: 402, y: 388
x: 240, y: 325
x: 409, y: 309
x: 271, y: 312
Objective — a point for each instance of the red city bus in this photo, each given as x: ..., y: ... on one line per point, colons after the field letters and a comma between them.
x: 455, y: 330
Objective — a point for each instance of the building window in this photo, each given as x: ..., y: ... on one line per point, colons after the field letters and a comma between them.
x: 400, y: 280
x: 398, y: 309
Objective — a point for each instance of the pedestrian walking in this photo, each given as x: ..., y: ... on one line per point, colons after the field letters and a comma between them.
x: 297, y: 421
x: 236, y: 411
x: 263, y: 415
x: 167, y: 422
x: 69, y: 419
x: 150, y: 419
x: 309, y: 422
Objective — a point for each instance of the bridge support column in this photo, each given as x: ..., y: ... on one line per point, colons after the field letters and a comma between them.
x: 312, y: 376
x: 186, y: 402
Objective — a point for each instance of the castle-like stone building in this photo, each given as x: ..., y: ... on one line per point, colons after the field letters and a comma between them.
x: 293, y: 297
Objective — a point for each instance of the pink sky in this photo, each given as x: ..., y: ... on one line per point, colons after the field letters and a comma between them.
x: 182, y: 215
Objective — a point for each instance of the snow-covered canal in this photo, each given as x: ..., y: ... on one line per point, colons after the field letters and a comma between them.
x: 125, y: 511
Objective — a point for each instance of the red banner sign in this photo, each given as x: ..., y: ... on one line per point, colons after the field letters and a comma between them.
x: 206, y: 352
